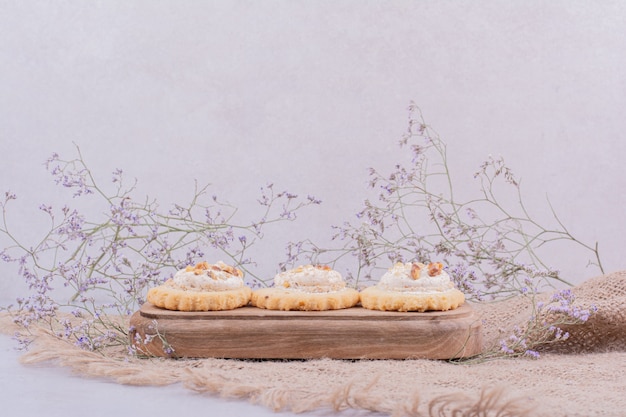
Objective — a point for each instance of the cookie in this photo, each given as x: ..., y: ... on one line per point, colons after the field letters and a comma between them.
x: 374, y: 298
x: 284, y: 299
x: 307, y: 288
x: 203, y: 287
x: 413, y: 287
x: 172, y: 298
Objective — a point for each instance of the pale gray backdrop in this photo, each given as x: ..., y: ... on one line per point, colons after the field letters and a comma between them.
x: 309, y: 95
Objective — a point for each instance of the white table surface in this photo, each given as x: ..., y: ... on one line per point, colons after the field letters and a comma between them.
x: 49, y: 390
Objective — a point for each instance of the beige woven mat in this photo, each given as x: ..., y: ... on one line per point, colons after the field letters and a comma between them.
x: 582, y: 377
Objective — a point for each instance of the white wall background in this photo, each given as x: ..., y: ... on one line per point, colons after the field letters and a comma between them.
x: 308, y: 95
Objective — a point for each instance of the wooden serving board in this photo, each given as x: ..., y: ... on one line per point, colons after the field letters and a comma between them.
x: 352, y: 333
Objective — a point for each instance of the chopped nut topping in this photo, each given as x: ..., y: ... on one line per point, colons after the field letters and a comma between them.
x: 416, y: 268
x: 230, y: 270
x: 435, y: 268
x: 323, y: 267
x: 201, y: 267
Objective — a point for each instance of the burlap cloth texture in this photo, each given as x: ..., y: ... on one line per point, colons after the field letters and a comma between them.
x: 583, y: 376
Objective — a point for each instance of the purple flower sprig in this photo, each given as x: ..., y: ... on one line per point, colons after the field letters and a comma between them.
x: 143, y: 342
x: 492, y: 246
x: 544, y: 327
x: 88, y: 270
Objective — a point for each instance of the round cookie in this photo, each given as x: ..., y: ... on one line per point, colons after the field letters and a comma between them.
x: 413, y: 287
x: 306, y: 288
x: 374, y: 298
x: 182, y: 300
x: 284, y: 299
x: 203, y: 287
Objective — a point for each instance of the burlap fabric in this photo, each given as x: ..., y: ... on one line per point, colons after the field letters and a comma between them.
x: 583, y: 376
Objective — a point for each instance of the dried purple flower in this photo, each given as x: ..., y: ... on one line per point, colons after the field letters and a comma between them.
x: 110, y: 263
